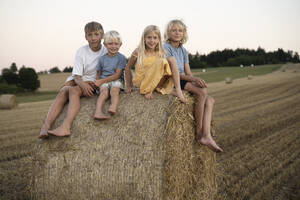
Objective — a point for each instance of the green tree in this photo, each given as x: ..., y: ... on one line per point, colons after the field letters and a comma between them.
x: 10, y: 77
x: 54, y: 70
x: 28, y: 79
x: 13, y: 67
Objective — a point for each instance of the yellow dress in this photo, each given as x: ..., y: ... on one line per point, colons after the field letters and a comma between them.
x: 150, y: 73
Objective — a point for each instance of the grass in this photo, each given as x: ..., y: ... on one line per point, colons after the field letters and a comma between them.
x: 220, y: 73
x: 50, y: 83
x: 36, y: 96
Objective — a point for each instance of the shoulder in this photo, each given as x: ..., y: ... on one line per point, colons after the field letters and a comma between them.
x: 121, y: 56
x: 135, y: 53
x: 167, y: 45
x: 83, y: 49
x: 183, y: 49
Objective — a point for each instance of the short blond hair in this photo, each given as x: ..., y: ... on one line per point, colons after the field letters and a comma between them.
x: 112, y: 35
x: 93, y: 26
x: 179, y: 23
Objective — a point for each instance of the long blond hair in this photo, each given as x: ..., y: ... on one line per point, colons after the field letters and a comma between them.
x: 142, y: 46
x: 168, y: 29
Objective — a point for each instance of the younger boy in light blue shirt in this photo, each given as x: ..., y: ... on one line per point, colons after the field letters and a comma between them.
x: 109, y: 72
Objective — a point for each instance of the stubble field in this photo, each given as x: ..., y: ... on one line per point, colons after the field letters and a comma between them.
x: 257, y: 124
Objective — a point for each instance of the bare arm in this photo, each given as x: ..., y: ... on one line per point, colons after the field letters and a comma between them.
x: 110, y: 78
x: 128, y: 78
x: 87, y: 89
x: 188, y: 76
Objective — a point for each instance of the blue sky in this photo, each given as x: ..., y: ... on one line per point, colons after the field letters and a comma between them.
x: 46, y: 33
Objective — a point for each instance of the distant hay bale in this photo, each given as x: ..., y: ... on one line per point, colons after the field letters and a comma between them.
x: 228, y: 80
x: 8, y: 101
x: 283, y: 70
x: 146, y: 151
x: 250, y: 77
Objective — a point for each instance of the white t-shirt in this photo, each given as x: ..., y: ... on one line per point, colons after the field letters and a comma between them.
x: 86, y: 62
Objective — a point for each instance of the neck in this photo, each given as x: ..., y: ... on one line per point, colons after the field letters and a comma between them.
x: 95, y: 49
x: 111, y: 54
x: 175, y: 43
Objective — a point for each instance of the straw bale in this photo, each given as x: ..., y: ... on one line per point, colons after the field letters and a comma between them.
x: 8, y: 101
x: 250, y: 77
x: 146, y: 151
x: 228, y: 80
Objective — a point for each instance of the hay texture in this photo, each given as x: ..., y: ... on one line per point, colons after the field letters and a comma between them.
x: 146, y: 151
x: 228, y: 80
x: 8, y: 101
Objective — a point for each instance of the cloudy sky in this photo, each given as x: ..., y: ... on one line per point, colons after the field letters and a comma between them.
x: 46, y: 33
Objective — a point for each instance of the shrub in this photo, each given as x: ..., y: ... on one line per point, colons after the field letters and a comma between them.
x: 28, y: 79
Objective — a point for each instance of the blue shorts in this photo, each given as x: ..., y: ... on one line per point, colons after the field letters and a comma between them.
x: 183, y: 83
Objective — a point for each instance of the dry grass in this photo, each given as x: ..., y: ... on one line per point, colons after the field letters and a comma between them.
x: 52, y: 82
x: 141, y: 153
x: 257, y: 123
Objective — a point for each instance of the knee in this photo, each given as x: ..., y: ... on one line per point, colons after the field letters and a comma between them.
x: 75, y: 91
x: 210, y: 101
x: 63, y: 92
x: 114, y: 91
x: 104, y: 92
x: 201, y: 93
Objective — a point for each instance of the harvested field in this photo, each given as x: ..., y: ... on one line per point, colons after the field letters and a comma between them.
x: 257, y: 124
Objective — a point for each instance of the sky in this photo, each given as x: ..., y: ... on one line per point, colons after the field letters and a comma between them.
x: 46, y: 33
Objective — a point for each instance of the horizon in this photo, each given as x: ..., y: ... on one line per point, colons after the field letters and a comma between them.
x: 50, y: 32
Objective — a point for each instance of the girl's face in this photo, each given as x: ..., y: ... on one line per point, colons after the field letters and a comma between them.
x: 151, y: 40
x: 176, y: 33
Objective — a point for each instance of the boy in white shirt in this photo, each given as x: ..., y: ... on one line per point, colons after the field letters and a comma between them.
x: 81, y: 83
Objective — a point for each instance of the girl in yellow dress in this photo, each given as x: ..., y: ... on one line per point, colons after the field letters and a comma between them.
x: 152, y: 71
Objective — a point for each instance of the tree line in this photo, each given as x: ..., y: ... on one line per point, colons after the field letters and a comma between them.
x: 13, y: 80
x: 240, y: 56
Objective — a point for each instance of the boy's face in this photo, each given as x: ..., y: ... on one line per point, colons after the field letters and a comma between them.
x: 176, y: 33
x: 113, y: 47
x: 151, y: 40
x: 94, y: 39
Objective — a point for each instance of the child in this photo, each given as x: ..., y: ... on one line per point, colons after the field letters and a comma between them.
x: 152, y: 71
x: 175, y: 36
x: 81, y: 83
x: 109, y: 70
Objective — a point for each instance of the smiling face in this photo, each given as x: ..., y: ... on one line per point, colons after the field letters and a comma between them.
x: 176, y: 33
x: 151, y: 41
x: 94, y: 39
x: 113, y: 46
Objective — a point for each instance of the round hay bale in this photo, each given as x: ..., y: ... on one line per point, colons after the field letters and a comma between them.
x: 8, y: 101
x: 146, y: 151
x: 250, y: 77
x: 228, y: 80
x: 283, y: 70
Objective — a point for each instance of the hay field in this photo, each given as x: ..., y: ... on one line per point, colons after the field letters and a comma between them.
x: 52, y: 82
x: 257, y: 123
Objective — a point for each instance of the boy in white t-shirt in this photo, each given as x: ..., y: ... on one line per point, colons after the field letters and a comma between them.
x: 81, y: 83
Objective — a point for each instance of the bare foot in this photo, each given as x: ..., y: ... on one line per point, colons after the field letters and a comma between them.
x: 179, y: 95
x: 60, y: 131
x: 44, y: 132
x: 209, y: 142
x: 112, y: 111
x: 149, y: 96
x: 101, y: 116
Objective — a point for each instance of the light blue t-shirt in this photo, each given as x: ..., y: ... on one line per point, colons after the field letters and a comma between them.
x: 109, y: 64
x: 180, y: 54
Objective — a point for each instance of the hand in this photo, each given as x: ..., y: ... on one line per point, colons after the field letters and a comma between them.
x: 87, y: 89
x: 128, y: 90
x: 200, y: 83
x: 99, y: 82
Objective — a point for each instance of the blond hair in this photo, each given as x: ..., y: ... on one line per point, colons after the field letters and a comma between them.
x: 180, y: 24
x: 112, y: 35
x: 93, y: 26
x: 142, y: 46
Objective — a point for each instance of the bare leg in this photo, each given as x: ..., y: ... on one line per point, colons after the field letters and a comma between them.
x: 73, y: 108
x: 206, y: 138
x: 100, y: 102
x: 54, y: 110
x: 203, y: 114
x: 176, y: 79
x: 114, y: 94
